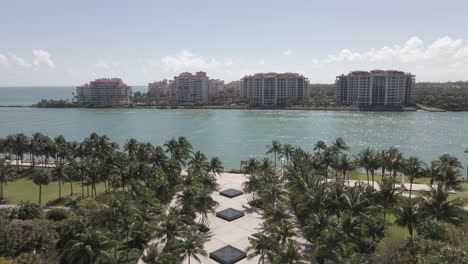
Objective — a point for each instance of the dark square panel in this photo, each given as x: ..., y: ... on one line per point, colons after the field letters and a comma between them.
x: 231, y: 193
x: 230, y: 214
x: 227, y: 255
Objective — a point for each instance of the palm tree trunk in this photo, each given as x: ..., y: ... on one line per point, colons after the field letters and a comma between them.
x: 372, y: 173
x: 384, y: 214
x: 82, y: 188
x: 40, y: 194
x: 326, y: 173
x: 367, y: 173
x: 71, y: 188
x: 60, y: 189
x: 275, y: 159
x: 1, y: 191
x: 383, y: 174
x: 411, y: 187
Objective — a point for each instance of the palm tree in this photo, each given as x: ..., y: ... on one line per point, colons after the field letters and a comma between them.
x: 7, y: 173
x: 59, y: 175
x: 447, y: 171
x: 172, y: 146
x: 191, y: 246
x: 203, y: 203
x: 413, y: 168
x: 387, y: 194
x: 374, y: 164
x: 282, y: 231
x: 327, y: 157
x: 89, y: 247
x: 154, y: 254
x: 130, y: 147
x: 319, y: 146
x: 395, y: 160
x: 287, y: 152
x: 289, y: 253
x: 36, y: 146
x: 171, y: 226
x: 260, y: 245
x: 407, y: 215
x: 436, y: 204
x: 20, y: 146
x: 346, y: 253
x: 363, y: 158
x: 252, y: 165
x: 344, y: 164
x: 340, y: 144
x: 199, y: 163
x: 216, y: 166
x: 40, y: 179
x: 274, y: 148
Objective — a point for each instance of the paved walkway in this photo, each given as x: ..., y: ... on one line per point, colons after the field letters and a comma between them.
x: 28, y: 163
x: 237, y: 232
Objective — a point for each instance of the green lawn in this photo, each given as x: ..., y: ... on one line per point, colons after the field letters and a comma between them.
x: 394, y: 231
x: 25, y: 190
x: 357, y: 175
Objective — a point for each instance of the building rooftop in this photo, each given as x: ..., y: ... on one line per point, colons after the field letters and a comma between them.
x: 275, y: 75
x: 117, y: 81
x: 376, y: 72
x: 191, y: 75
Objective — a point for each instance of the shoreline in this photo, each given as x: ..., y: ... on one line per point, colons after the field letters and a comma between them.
x: 223, y: 107
x: 239, y: 107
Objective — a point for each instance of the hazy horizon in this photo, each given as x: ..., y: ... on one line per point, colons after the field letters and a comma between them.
x: 61, y: 43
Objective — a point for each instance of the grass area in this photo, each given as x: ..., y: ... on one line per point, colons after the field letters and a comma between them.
x: 357, y: 175
x: 394, y: 231
x: 463, y: 195
x: 25, y: 190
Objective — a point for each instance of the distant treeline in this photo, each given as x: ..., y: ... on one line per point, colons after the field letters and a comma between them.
x: 55, y: 103
x: 449, y: 95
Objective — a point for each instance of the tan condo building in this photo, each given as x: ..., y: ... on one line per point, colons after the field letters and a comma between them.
x: 191, y: 89
x: 377, y: 87
x: 274, y: 89
x: 104, y: 92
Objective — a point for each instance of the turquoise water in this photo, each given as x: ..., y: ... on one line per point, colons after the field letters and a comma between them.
x: 31, y: 95
x: 235, y: 134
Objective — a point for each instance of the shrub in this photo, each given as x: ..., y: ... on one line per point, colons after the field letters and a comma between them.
x: 26, y: 211
x: 8, y: 242
x: 56, y: 214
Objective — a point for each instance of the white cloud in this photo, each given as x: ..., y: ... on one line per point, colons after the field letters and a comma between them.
x: 412, y: 50
x: 102, y: 65
x: 261, y: 62
x: 187, y: 61
x: 17, y: 60
x: 462, y: 53
x: 3, y: 60
x: 287, y: 52
x: 42, y: 57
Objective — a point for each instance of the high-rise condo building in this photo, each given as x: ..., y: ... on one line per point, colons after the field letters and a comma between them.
x: 104, y: 92
x: 234, y: 85
x: 191, y: 89
x: 215, y: 86
x: 377, y: 87
x: 269, y: 89
x: 160, y: 87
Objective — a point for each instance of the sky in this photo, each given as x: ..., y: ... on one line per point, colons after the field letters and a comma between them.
x: 56, y: 42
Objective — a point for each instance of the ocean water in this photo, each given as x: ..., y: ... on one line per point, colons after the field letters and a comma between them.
x: 236, y: 135
x: 20, y: 96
